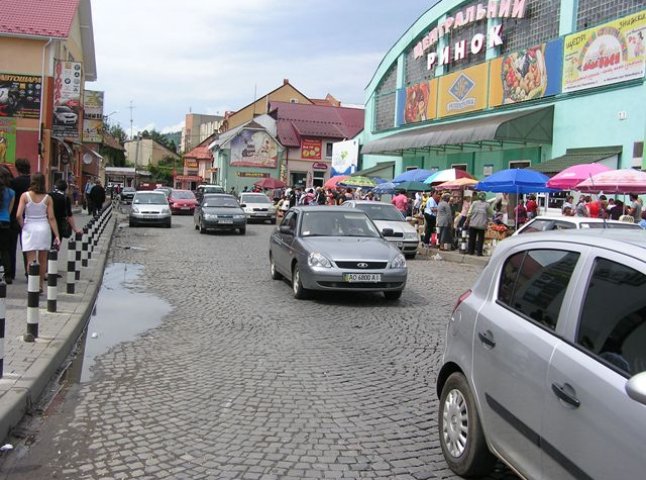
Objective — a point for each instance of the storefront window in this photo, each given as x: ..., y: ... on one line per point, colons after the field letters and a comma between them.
x: 298, y: 179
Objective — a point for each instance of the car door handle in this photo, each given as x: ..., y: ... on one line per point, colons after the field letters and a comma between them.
x: 487, y: 338
x: 566, y: 393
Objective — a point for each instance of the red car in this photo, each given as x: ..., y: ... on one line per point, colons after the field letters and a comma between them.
x: 182, y: 201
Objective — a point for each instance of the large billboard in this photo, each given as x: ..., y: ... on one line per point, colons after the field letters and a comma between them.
x: 610, y: 53
x: 253, y: 148
x: 20, y: 95
x: 92, y: 116
x: 7, y: 140
x: 345, y: 157
x: 463, y: 91
x: 67, y: 99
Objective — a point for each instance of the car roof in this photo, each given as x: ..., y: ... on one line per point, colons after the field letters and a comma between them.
x: 326, y: 208
x: 576, y: 220
x: 218, y: 195
x: 370, y: 202
x: 155, y: 192
x: 253, y: 193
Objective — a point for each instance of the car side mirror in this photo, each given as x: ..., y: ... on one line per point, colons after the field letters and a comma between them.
x: 636, y: 388
x: 242, y: 205
x: 387, y: 232
x: 286, y: 229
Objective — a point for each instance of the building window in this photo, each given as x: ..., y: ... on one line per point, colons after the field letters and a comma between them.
x: 385, y: 100
x: 318, y: 178
x: 541, y: 23
x: 328, y: 150
x: 595, y: 12
x: 520, y: 164
x: 460, y: 166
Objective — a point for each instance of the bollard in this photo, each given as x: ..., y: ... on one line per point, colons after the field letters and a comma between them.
x: 84, y: 248
x: 3, y: 310
x: 52, y: 280
x: 90, y: 239
x: 71, y: 265
x: 77, y: 256
x: 33, y: 297
x: 463, y: 241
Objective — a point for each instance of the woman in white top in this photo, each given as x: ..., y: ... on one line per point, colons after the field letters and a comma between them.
x: 36, y: 218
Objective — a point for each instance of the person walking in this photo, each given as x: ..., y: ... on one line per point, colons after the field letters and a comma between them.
x: 97, y: 195
x: 19, y: 185
x: 444, y: 222
x: 7, y: 199
x: 86, y: 196
x: 63, y: 210
x: 400, y: 201
x: 478, y: 218
x: 38, y: 224
x: 430, y: 217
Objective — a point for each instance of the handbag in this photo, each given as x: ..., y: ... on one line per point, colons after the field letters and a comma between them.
x: 64, y: 228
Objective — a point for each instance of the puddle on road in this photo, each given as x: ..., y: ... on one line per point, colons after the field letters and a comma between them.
x: 120, y: 314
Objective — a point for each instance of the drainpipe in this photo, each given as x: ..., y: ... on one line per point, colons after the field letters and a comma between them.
x: 40, y: 114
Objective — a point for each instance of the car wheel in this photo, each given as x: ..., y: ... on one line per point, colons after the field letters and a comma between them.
x: 168, y: 224
x: 410, y: 256
x: 297, y: 286
x: 242, y: 231
x: 197, y: 227
x: 272, y: 269
x: 202, y: 228
x: 273, y: 221
x: 461, y: 436
x: 393, y: 295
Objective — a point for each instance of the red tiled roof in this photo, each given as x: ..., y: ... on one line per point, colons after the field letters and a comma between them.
x: 37, y: 17
x: 200, y: 152
x: 295, y: 121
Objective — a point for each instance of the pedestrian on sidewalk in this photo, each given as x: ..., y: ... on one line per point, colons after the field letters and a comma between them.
x: 20, y: 185
x: 478, y: 218
x: 7, y: 198
x: 97, y: 196
x: 63, y: 210
x: 38, y: 224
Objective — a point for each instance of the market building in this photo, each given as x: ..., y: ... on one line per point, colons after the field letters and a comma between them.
x: 490, y: 85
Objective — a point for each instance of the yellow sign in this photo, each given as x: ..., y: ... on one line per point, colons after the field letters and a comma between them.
x: 463, y: 91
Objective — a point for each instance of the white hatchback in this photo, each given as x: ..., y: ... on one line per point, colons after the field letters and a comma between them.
x: 546, y: 223
x: 258, y: 207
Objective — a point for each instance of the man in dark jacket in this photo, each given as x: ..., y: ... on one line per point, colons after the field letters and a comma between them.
x: 20, y: 185
x: 63, y: 210
x: 97, y: 197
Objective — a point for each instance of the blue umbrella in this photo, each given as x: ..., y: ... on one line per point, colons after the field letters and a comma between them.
x: 379, y: 180
x: 515, y: 180
x: 416, y: 175
x: 385, y: 188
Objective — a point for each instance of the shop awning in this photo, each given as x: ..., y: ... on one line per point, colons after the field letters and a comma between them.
x: 383, y: 169
x: 64, y: 144
x: 527, y: 126
x: 577, y: 156
x: 92, y: 152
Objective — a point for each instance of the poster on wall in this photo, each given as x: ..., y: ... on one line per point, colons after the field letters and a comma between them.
x: 419, y: 102
x: 7, y: 140
x: 92, y: 116
x: 67, y: 98
x: 345, y: 157
x: 311, y: 149
x: 463, y: 91
x: 526, y: 74
x: 20, y: 95
x: 610, y: 53
x: 252, y: 148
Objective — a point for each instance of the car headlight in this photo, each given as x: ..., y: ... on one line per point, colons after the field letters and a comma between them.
x: 135, y: 210
x: 410, y: 236
x: 239, y: 217
x: 210, y: 216
x: 398, y: 262
x: 165, y: 210
x: 318, y: 260
x: 248, y: 209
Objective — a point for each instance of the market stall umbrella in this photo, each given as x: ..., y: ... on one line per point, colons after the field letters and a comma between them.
x: 415, y: 175
x: 515, y: 180
x: 332, y: 182
x: 572, y: 176
x: 447, y: 175
x: 270, y: 183
x: 385, y: 188
x: 458, y: 184
x: 358, y: 181
x: 413, y: 186
x: 625, y: 180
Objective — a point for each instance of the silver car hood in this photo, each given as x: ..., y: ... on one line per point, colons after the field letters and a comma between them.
x: 351, y: 248
x: 397, y: 226
x: 151, y: 207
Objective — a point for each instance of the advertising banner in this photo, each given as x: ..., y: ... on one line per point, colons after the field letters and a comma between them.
x: 463, y: 91
x: 345, y: 157
x: 419, y: 102
x: 610, y: 53
x: 67, y: 99
x: 7, y: 140
x: 251, y: 148
x: 92, y: 116
x: 20, y: 95
x: 311, y: 149
x: 526, y: 74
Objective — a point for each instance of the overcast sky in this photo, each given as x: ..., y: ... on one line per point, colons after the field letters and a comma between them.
x: 169, y: 57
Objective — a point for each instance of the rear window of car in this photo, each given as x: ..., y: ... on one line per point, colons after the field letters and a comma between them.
x: 533, y: 283
x: 151, y: 198
x: 184, y: 195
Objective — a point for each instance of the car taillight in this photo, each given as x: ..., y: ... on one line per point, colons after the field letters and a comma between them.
x: 461, y: 299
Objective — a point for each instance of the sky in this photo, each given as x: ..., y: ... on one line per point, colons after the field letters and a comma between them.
x: 166, y: 58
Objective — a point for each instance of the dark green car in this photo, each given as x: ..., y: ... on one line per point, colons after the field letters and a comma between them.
x: 220, y: 212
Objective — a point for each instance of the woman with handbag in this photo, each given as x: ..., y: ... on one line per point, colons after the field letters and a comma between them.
x: 63, y: 210
x: 7, y: 198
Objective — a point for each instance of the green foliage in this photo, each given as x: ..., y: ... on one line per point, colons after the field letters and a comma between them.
x: 159, y: 138
x: 163, y: 173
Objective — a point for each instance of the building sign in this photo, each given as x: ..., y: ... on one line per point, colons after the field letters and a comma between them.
x: 190, y: 163
x: 20, y: 95
x: 253, y: 174
x: 67, y: 98
x: 526, y: 74
x: 345, y: 157
x: 480, y: 12
x: 419, y: 102
x: 611, y: 53
x: 253, y: 148
x: 463, y: 91
x: 7, y: 140
x: 319, y: 166
x: 92, y: 116
x: 311, y: 149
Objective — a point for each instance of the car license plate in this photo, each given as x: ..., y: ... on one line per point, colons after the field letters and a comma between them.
x: 226, y: 220
x: 362, y: 277
x: 150, y: 216
x: 185, y: 208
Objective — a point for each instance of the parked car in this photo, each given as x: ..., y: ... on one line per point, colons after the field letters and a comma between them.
x: 385, y: 215
x: 335, y: 248
x: 64, y: 115
x: 149, y: 208
x: 258, y: 206
x: 182, y: 201
x: 220, y: 212
x: 202, y: 190
x: 545, y: 223
x: 545, y: 359
x: 127, y: 194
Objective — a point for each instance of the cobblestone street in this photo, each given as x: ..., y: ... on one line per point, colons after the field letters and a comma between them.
x: 243, y: 381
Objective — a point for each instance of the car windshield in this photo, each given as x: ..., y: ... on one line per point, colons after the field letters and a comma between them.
x: 150, y: 198
x: 220, y: 202
x: 337, y: 224
x: 254, y: 199
x: 381, y: 211
x: 129, y: 189
x: 183, y: 194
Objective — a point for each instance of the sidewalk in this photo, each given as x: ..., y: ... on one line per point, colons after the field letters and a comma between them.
x: 28, y: 367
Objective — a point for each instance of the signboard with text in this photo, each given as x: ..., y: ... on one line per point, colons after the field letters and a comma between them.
x: 345, y: 157
x: 253, y: 148
x: 463, y: 91
x: 67, y: 98
x: 7, y: 140
x: 20, y: 95
x: 311, y: 149
x: 92, y: 116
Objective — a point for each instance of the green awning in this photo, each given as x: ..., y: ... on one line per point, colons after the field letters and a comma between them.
x: 518, y: 127
x: 577, y: 156
x: 384, y: 170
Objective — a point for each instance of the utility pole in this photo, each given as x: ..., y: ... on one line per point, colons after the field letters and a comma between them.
x: 131, y: 108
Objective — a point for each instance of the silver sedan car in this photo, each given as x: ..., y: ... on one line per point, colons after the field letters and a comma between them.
x: 335, y: 248
x: 545, y: 360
